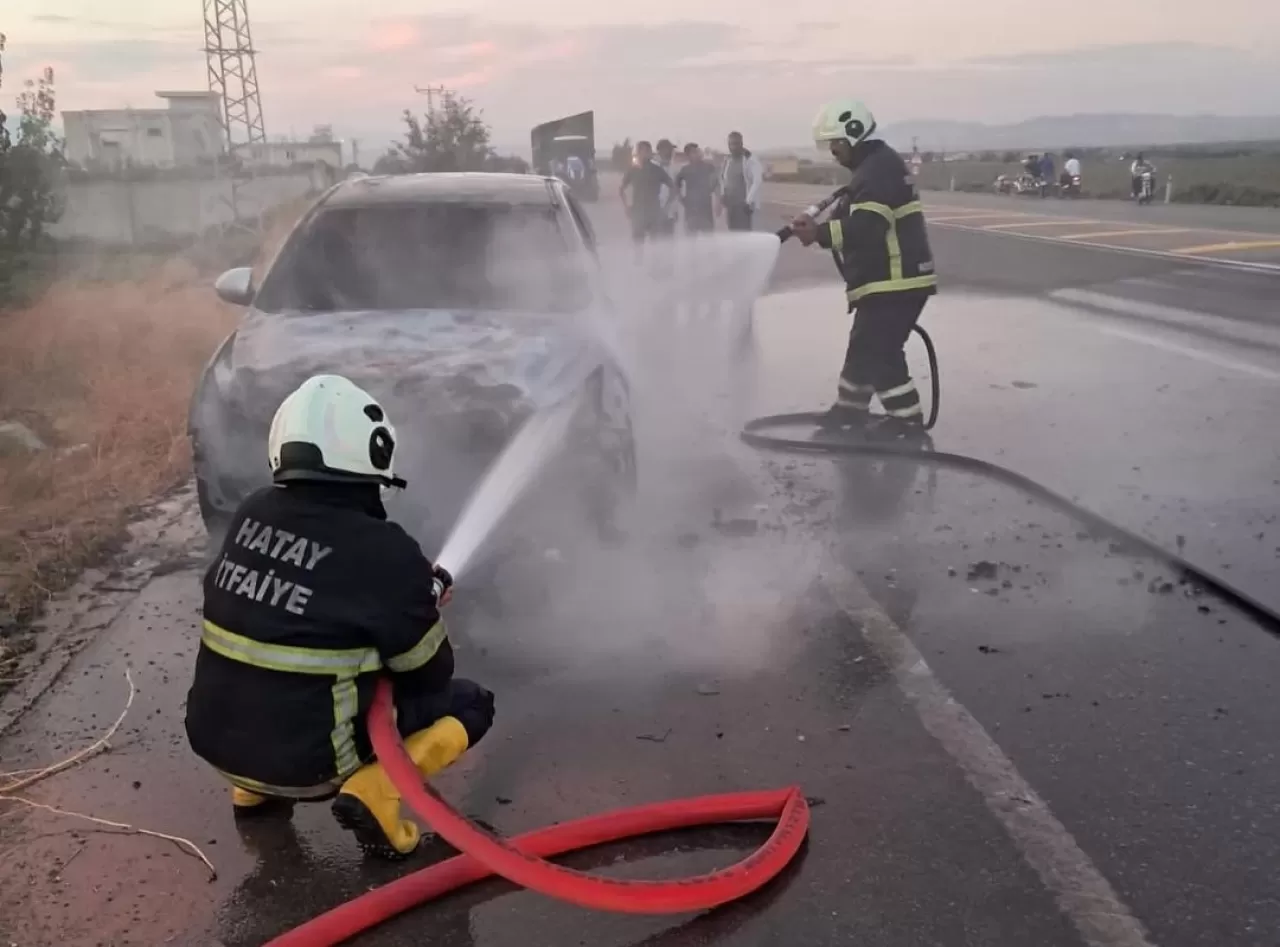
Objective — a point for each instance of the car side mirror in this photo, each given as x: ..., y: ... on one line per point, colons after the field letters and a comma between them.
x: 236, y: 286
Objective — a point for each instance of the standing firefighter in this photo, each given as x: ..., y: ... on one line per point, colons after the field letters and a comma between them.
x: 313, y: 596
x: 877, y: 235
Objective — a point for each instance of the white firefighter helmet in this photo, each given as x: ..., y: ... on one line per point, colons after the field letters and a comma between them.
x: 845, y: 120
x: 331, y: 429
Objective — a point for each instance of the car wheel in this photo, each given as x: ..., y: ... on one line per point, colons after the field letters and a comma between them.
x: 610, y: 444
x: 216, y: 520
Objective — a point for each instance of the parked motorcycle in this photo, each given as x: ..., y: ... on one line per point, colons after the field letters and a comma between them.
x: 1069, y: 185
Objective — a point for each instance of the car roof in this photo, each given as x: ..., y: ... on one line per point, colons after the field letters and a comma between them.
x: 469, y: 187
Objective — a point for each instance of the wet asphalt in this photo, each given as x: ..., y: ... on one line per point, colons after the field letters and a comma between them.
x: 716, y: 651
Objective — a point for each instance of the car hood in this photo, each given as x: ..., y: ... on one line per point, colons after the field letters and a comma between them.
x: 444, y: 360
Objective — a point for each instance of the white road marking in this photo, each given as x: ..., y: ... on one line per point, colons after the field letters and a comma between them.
x: 1199, y: 354
x: 1268, y: 244
x: 1083, y: 894
x: 1221, y: 262
x: 1187, y: 320
x: 946, y: 214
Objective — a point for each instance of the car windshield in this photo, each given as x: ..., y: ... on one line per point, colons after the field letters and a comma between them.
x: 429, y: 256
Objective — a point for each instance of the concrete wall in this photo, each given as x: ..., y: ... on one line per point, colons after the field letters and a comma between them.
x: 142, y: 213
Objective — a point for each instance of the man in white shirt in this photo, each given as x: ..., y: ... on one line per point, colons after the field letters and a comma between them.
x: 1072, y: 167
x: 671, y: 204
x: 740, y: 181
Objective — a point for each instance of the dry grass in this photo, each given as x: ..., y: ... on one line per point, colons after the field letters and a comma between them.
x: 103, y: 372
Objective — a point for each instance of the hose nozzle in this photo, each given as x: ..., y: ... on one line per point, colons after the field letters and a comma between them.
x: 813, y: 210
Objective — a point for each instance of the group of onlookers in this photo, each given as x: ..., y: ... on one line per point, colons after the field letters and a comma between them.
x: 655, y: 193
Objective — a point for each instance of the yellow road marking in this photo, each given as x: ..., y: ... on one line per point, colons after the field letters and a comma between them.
x: 1224, y: 247
x: 1124, y: 233
x: 1060, y: 222
x: 941, y: 218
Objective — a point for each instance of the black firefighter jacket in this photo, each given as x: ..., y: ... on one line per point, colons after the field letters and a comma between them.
x: 313, y: 594
x: 877, y: 232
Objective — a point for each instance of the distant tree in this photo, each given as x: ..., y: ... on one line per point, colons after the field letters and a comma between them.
x: 29, y: 163
x: 927, y: 157
x: 989, y: 156
x: 451, y: 138
x: 620, y: 157
x: 1010, y: 157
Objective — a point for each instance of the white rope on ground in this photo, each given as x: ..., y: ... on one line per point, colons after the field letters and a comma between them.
x: 102, y: 744
x: 178, y: 840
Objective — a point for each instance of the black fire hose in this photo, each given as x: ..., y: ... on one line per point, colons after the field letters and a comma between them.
x: 754, y: 434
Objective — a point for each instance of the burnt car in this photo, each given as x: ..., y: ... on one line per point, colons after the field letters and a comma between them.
x: 463, y: 302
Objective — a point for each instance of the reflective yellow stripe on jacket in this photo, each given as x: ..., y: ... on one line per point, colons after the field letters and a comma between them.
x: 343, y: 665
x: 289, y: 658
x: 896, y: 282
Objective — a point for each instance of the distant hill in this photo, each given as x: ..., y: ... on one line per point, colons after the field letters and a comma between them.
x: 1099, y: 131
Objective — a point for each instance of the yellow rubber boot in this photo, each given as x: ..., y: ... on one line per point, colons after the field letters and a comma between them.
x: 437, y: 747
x: 368, y: 805
x: 246, y: 804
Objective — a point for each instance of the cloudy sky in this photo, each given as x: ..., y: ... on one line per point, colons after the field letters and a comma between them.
x: 687, y: 69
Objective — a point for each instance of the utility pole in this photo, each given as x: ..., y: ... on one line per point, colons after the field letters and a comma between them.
x: 431, y: 92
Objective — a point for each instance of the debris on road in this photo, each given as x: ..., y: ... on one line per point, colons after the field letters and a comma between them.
x: 983, y: 570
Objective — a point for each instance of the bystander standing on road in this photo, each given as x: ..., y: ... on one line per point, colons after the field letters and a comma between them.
x: 740, y: 181
x: 697, y: 184
x: 670, y: 198
x: 647, y: 182
x: 1047, y: 168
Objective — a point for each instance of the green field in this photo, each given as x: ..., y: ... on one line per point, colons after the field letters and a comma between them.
x: 1246, y: 180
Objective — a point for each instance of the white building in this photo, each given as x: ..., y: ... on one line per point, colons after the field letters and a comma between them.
x: 287, y: 154
x: 188, y: 132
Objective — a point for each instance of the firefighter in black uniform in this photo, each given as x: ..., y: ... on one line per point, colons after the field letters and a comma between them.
x: 877, y: 235
x: 314, y: 595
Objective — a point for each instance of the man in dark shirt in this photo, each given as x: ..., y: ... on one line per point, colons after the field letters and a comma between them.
x: 645, y: 180
x: 697, y: 183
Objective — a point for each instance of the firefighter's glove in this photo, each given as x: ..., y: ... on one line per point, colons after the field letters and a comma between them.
x: 805, y: 229
x: 441, y: 585
x: 477, y: 716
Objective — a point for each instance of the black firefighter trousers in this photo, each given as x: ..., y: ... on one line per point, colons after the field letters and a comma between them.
x: 875, y: 362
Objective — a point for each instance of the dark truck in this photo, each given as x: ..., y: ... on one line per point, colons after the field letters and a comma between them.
x: 566, y: 149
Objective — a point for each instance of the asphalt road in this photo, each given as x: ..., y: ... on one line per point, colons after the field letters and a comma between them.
x: 1249, y: 236
x: 1019, y: 734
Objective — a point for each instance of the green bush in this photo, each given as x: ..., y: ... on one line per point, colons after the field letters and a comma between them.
x: 29, y: 166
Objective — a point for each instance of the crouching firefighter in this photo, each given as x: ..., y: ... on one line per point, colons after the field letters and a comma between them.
x: 876, y: 233
x: 313, y: 596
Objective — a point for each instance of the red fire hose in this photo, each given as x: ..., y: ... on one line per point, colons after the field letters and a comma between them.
x: 522, y: 859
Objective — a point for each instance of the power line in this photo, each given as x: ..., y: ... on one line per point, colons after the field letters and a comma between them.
x: 431, y: 92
